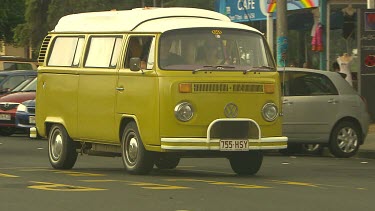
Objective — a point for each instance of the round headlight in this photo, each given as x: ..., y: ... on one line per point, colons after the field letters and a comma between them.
x: 269, y: 112
x: 184, y: 111
x: 21, y: 107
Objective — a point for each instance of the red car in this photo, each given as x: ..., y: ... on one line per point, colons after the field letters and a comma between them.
x: 8, y: 107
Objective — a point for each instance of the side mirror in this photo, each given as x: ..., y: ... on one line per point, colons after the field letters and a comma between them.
x: 135, y: 64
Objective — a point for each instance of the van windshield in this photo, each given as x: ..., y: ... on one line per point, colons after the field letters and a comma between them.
x: 229, y: 49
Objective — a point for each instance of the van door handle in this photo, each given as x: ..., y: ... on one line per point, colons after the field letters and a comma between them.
x: 120, y: 88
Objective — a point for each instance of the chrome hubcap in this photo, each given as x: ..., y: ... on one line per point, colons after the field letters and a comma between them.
x: 132, y: 150
x: 347, y: 140
x: 56, y: 146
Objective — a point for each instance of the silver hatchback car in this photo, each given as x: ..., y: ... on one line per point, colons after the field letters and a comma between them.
x: 320, y: 107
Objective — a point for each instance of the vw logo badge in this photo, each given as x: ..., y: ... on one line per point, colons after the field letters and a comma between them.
x: 6, y: 105
x: 231, y: 110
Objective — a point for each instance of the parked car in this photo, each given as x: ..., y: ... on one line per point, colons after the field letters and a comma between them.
x: 9, y: 104
x: 320, y: 107
x: 17, y: 63
x: 25, y: 115
x: 11, y: 79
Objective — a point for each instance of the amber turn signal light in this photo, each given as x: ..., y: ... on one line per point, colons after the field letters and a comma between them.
x: 184, y: 88
x: 269, y: 88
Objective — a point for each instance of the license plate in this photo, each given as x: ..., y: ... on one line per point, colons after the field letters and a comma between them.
x: 32, y: 119
x: 234, y: 145
x: 4, y: 116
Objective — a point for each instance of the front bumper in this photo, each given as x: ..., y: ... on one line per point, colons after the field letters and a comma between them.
x: 215, y: 134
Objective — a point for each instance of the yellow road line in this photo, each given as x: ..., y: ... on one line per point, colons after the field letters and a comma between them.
x: 61, y: 187
x: 8, y: 175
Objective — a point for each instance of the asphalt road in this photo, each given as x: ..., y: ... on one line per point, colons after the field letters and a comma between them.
x: 27, y: 182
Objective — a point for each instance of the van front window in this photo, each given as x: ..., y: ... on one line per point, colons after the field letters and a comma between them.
x: 189, y: 49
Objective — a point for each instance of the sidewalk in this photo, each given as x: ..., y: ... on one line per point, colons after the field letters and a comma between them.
x: 367, y: 150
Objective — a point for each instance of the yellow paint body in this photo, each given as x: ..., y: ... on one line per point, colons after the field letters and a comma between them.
x: 87, y: 102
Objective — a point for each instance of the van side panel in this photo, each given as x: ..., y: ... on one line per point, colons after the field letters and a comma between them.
x: 96, y: 104
x: 140, y: 98
x: 57, y: 99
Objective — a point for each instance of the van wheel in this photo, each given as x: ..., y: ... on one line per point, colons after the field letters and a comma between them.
x: 345, y: 139
x: 61, y: 148
x: 246, y: 163
x: 137, y: 160
x: 167, y: 162
x: 7, y: 131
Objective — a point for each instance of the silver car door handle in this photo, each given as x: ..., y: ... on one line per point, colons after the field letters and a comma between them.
x: 287, y: 102
x: 333, y: 101
x: 120, y: 88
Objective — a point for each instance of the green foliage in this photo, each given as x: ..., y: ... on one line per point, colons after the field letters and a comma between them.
x: 42, y: 15
x: 206, y: 4
x: 11, y: 14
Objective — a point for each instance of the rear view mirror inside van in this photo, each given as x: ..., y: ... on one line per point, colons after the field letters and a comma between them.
x: 135, y: 64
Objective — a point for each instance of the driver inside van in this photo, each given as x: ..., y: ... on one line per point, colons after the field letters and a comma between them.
x: 209, y: 53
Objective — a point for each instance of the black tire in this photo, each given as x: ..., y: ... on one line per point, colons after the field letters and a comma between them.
x: 167, y: 162
x: 246, y: 163
x: 136, y: 159
x: 345, y: 140
x: 61, y: 148
x: 7, y: 131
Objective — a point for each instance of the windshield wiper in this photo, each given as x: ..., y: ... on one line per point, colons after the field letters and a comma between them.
x: 258, y: 69
x: 213, y: 67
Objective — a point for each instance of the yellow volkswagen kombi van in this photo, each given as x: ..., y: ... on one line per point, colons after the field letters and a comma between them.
x: 156, y: 85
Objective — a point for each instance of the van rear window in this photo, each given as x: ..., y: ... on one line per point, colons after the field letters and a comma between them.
x: 66, y: 51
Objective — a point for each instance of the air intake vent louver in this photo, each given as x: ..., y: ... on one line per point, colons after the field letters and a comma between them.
x: 228, y: 87
x: 43, y: 49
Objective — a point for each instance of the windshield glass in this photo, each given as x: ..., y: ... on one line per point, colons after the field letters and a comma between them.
x: 31, y: 87
x: 231, y: 49
x: 22, y: 85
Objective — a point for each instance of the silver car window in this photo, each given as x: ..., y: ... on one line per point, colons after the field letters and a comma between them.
x: 308, y: 84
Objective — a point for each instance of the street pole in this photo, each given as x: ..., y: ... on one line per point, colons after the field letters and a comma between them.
x: 370, y: 4
x: 323, y: 20
x: 281, y: 33
x: 269, y: 33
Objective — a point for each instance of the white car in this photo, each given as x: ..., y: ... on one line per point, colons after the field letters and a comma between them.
x: 320, y: 108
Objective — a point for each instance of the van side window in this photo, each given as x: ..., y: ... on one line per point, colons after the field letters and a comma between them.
x: 139, y: 46
x: 103, y: 52
x: 66, y: 51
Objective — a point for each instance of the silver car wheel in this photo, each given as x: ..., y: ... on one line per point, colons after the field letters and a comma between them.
x: 347, y: 140
x: 311, y: 147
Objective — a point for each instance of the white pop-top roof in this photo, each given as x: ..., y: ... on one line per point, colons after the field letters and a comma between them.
x: 144, y: 20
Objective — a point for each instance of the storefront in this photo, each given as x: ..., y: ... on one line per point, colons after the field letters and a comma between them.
x: 341, y: 24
